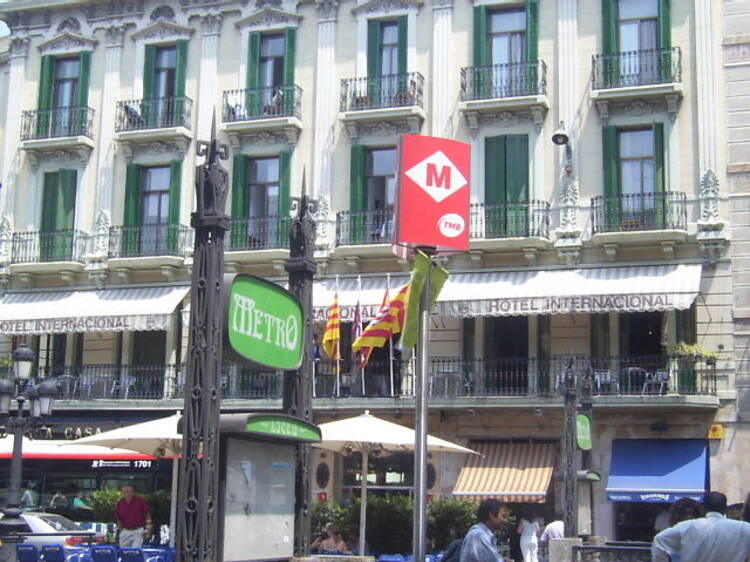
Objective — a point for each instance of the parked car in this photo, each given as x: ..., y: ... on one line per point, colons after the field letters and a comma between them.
x: 55, y: 529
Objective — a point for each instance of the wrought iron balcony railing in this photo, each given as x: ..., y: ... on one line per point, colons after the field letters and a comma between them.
x: 35, y: 246
x: 636, y: 68
x: 154, y: 113
x: 520, y: 219
x: 155, y: 382
x: 379, y: 92
x: 57, y: 122
x: 451, y: 377
x: 149, y: 240
x: 639, y: 211
x: 259, y: 233
x: 504, y: 80
x: 262, y: 103
x: 373, y: 226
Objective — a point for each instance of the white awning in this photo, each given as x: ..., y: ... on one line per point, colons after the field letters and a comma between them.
x: 523, y: 293
x: 106, y: 310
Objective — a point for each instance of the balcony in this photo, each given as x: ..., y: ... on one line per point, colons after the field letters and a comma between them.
x: 272, y: 109
x: 143, y: 121
x: 258, y: 233
x: 58, y: 128
x: 369, y: 103
x: 150, y: 243
x: 355, y: 228
x: 487, y: 90
x: 41, y: 251
x: 639, y: 217
x: 523, y: 224
x: 648, y: 75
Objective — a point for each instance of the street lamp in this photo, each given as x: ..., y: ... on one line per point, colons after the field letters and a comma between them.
x: 40, y: 398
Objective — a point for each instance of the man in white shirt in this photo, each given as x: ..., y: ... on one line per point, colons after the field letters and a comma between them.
x: 480, y: 543
x: 554, y: 529
x: 712, y: 538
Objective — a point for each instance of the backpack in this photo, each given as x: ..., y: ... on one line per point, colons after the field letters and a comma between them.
x: 453, y: 552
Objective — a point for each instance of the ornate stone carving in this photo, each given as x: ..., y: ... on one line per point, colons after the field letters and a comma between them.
x: 163, y: 30
x: 709, y: 197
x: 327, y: 10
x: 569, y: 205
x: 436, y: 4
x: 386, y: 6
x: 19, y: 46
x: 176, y: 146
x: 259, y: 4
x: 323, y: 219
x: 163, y: 13
x: 384, y: 128
x: 602, y: 107
x: 115, y: 35
x: 69, y: 24
x: 67, y: 42
x: 6, y: 239
x: 211, y: 24
x: 77, y: 154
x: 270, y: 19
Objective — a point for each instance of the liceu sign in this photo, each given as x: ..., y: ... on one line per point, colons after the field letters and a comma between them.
x: 263, y: 323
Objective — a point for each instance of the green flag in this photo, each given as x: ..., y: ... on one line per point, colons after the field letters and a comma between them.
x: 423, y: 265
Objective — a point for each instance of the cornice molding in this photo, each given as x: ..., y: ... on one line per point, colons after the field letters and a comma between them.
x: 327, y: 10
x: 67, y: 42
x: 269, y: 18
x: 386, y: 7
x: 163, y: 31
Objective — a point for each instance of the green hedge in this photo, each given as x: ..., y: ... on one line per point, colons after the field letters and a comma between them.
x: 103, y: 504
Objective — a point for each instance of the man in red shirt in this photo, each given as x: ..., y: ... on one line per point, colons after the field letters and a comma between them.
x: 133, y: 517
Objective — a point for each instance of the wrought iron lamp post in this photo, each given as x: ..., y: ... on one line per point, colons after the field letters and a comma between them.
x: 40, y: 398
x: 198, y: 486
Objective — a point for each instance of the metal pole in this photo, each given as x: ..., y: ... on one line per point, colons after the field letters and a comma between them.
x: 363, y: 501
x: 298, y: 385
x: 570, y: 495
x: 421, y: 395
x: 198, y: 486
x: 16, y: 462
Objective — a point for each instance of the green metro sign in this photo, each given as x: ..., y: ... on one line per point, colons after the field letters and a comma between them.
x: 263, y: 324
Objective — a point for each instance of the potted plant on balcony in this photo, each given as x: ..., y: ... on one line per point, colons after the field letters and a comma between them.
x: 685, y: 357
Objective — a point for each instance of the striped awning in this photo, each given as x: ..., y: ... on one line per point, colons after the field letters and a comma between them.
x: 105, y: 310
x: 527, y: 292
x: 509, y: 472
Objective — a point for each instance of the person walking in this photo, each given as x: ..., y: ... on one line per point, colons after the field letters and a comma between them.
x: 528, y: 528
x: 133, y: 518
x: 555, y: 529
x: 480, y: 543
x: 712, y: 538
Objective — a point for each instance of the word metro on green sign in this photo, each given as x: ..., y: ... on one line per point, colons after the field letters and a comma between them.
x: 264, y: 324
x: 583, y: 431
x: 282, y: 426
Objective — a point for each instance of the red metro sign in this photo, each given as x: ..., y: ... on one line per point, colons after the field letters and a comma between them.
x: 432, y: 203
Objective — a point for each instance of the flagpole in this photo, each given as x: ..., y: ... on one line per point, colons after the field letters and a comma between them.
x: 356, y: 360
x: 390, y: 339
x: 338, y: 348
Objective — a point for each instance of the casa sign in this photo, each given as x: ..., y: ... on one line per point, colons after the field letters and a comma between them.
x: 263, y: 324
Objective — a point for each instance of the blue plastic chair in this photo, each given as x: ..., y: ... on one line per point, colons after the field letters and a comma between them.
x: 131, y: 555
x: 27, y: 553
x: 104, y: 553
x: 53, y: 553
x: 391, y: 558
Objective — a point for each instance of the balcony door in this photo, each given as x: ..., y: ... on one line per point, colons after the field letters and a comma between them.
x: 154, y: 210
x: 387, y: 83
x: 638, y: 41
x: 506, y: 351
x: 271, y: 70
x: 63, y: 95
x: 381, y: 192
x: 507, y: 50
x: 263, y: 201
x: 164, y: 85
x: 270, y: 75
x: 56, y: 235
x: 506, y: 186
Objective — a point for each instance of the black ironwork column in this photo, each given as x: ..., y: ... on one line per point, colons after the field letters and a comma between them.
x: 198, y: 501
x: 570, y: 458
x: 298, y: 384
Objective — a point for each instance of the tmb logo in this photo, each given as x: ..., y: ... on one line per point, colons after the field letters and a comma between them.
x: 437, y: 176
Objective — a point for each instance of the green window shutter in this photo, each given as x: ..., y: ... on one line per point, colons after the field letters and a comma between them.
x: 532, y: 30
x: 290, y: 48
x: 494, y: 186
x: 609, y: 26
x: 252, y: 80
x: 374, y: 38
x: 285, y: 180
x: 49, y: 202
x: 132, y: 213
x: 516, y: 168
x: 238, y: 232
x: 403, y: 42
x: 610, y: 219
x: 149, y: 68
x: 665, y: 25
x: 180, y: 75
x: 84, y: 78
x: 357, y: 227
x: 175, y: 187
x: 46, y: 82
x: 661, y: 205
x: 66, y: 203
x: 481, y: 36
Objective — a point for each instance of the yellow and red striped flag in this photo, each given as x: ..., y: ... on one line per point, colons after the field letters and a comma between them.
x: 363, y: 356
x: 332, y: 334
x: 387, y: 323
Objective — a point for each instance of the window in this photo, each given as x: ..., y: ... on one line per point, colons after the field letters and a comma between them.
x: 154, y: 209
x: 506, y: 186
x: 63, y: 95
x: 56, y: 236
x: 636, y: 162
x: 65, y: 87
x: 507, y: 36
x: 381, y: 191
x: 387, y: 83
x: 270, y: 76
x: 389, y: 48
x: 263, y: 187
x: 165, y: 72
x: 271, y: 60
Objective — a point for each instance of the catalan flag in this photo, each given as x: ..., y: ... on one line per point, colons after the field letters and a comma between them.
x: 355, y: 333
x: 363, y: 355
x: 387, y: 323
x: 332, y: 334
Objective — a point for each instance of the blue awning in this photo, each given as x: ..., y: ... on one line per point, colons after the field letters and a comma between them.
x: 658, y: 470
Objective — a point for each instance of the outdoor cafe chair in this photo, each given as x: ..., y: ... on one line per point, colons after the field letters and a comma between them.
x: 606, y: 380
x: 658, y: 381
x: 132, y: 555
x: 53, y: 553
x: 104, y: 553
x: 27, y: 553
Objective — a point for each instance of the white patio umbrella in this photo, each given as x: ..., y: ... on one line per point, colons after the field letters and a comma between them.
x: 158, y: 438
x: 365, y: 434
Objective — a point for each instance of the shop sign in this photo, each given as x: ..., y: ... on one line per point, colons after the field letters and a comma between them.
x: 84, y: 324
x: 283, y: 427
x: 432, y: 199
x: 263, y: 324
x: 583, y: 432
